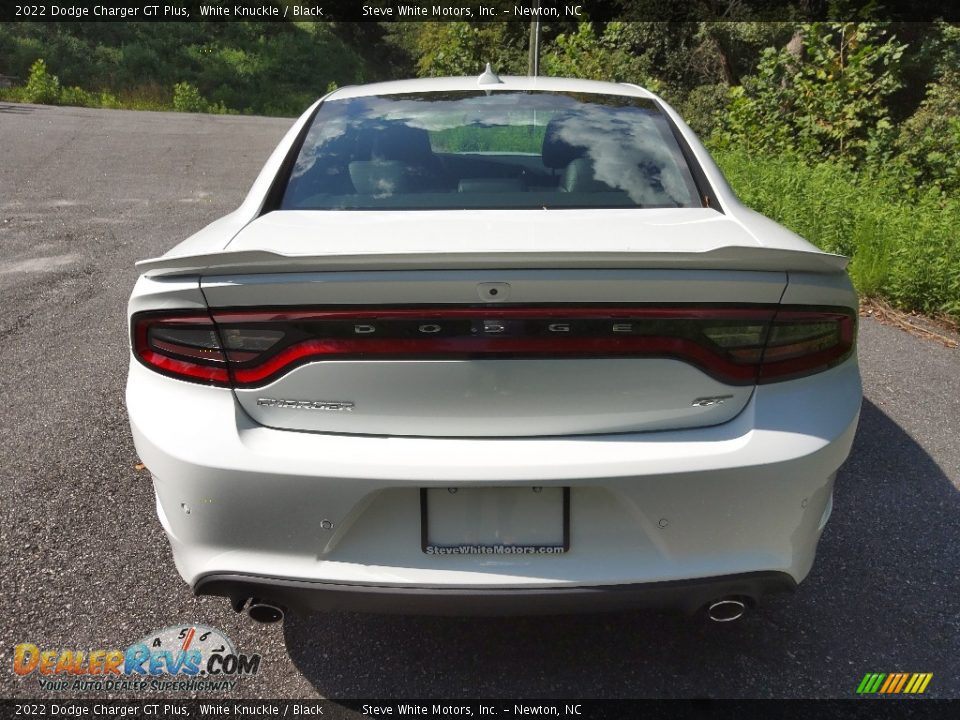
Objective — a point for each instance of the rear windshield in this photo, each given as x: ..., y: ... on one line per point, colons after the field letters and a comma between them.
x: 499, y: 150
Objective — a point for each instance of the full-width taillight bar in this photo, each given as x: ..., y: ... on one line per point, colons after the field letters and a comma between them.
x: 736, y: 345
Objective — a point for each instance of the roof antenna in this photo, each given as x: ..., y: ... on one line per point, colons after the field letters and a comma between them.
x: 489, y: 77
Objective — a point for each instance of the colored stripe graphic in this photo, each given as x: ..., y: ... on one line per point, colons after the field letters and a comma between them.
x: 894, y: 683
x: 889, y: 682
x: 901, y: 682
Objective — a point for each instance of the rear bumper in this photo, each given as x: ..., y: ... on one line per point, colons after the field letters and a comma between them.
x: 297, y: 511
x: 686, y: 595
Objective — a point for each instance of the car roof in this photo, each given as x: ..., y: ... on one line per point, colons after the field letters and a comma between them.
x: 507, y: 82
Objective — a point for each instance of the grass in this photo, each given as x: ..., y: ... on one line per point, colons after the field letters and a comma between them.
x: 44, y: 88
x: 904, y: 244
x: 146, y: 97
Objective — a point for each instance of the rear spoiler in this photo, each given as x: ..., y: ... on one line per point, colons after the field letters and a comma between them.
x: 248, y: 262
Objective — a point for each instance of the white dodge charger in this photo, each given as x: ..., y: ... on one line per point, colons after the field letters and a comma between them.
x: 496, y: 345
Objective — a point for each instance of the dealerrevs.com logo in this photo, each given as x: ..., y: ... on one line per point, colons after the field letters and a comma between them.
x: 187, y: 658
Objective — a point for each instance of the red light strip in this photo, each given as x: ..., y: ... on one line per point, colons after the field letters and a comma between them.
x: 493, y: 346
x: 184, y: 368
x: 479, y: 347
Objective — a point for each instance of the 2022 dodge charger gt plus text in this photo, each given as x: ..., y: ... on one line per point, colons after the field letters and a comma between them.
x: 507, y: 345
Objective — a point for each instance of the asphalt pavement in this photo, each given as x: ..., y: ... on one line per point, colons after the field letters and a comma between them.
x: 86, y: 193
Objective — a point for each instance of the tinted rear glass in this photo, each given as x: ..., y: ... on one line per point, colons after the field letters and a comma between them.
x: 502, y: 150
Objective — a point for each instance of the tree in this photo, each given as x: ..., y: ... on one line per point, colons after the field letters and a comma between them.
x: 831, y: 101
x: 41, y: 87
x: 461, y: 48
x: 595, y: 55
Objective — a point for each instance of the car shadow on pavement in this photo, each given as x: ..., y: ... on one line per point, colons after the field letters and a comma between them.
x: 883, y: 596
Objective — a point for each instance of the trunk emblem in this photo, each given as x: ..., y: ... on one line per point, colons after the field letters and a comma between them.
x: 710, y: 401
x: 333, y: 405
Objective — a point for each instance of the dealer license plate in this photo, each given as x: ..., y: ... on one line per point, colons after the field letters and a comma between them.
x: 495, y: 521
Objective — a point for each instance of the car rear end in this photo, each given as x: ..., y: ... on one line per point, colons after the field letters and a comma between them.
x: 361, y: 404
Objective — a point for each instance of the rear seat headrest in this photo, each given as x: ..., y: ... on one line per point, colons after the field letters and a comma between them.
x: 558, y: 153
x: 401, y: 142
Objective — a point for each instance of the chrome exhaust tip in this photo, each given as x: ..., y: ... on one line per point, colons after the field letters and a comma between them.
x: 726, y: 609
x: 263, y: 612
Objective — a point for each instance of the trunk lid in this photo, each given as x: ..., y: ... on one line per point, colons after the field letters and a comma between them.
x: 489, y: 323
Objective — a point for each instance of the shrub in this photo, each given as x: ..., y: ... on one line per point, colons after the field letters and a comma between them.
x: 929, y: 141
x: 77, y: 96
x: 831, y: 102
x: 41, y: 87
x: 187, y: 98
x: 109, y: 100
x: 703, y: 107
x: 597, y: 56
x: 460, y: 48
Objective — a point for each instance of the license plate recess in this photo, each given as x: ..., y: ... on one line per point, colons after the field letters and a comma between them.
x: 495, y: 520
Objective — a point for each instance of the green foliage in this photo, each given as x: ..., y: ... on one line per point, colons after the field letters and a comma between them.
x: 106, y: 100
x: 704, y: 107
x: 592, y: 56
x: 727, y: 51
x: 871, y: 267
x: 686, y: 55
x: 187, y: 98
x: 460, y: 48
x: 257, y: 67
x: 828, y: 103
x: 906, y: 249
x: 41, y: 87
x: 928, y: 145
x: 77, y: 97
